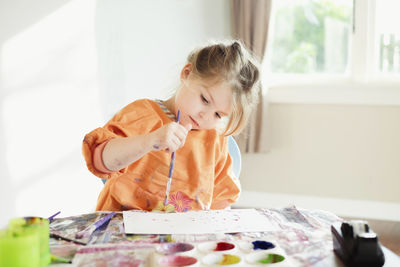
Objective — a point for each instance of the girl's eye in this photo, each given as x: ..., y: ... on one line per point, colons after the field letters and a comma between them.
x: 204, y: 99
x: 217, y: 114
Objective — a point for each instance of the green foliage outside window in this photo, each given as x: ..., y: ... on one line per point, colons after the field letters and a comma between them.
x: 299, y: 35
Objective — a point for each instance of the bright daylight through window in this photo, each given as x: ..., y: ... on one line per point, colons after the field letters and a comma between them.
x: 318, y: 37
x: 310, y: 36
x: 388, y: 36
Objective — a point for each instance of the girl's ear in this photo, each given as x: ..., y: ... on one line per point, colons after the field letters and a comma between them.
x: 186, y: 70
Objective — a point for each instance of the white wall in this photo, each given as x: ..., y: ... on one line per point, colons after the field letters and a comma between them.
x: 346, y: 156
x: 342, y: 151
x: 142, y: 45
x: 65, y: 68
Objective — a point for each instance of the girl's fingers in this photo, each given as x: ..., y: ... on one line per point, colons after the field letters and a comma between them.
x: 173, y: 144
x: 181, y: 132
x: 177, y: 142
x: 181, y: 136
x: 177, y: 136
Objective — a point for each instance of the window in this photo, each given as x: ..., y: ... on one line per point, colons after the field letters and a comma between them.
x: 310, y: 36
x: 315, y: 45
x: 388, y: 36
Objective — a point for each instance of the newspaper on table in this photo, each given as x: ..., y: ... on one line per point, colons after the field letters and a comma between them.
x: 304, y: 235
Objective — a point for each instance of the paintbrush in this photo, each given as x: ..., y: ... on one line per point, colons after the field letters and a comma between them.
x: 52, y: 216
x: 88, y: 231
x: 57, y: 236
x: 171, y: 167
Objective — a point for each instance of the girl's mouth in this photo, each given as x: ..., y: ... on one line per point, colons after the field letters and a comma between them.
x: 194, y: 122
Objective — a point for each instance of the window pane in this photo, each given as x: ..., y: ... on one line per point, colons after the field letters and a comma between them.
x: 310, y: 36
x: 388, y: 34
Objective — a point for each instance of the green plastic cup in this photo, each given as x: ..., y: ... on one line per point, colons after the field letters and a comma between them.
x: 39, y: 226
x: 19, y: 248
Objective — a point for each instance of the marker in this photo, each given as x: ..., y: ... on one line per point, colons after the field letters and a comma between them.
x: 171, y: 167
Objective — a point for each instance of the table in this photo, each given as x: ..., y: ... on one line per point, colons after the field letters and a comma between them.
x: 304, y: 236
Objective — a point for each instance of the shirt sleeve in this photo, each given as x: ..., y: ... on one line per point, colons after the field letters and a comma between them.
x: 226, y: 186
x: 135, y: 119
x: 98, y: 163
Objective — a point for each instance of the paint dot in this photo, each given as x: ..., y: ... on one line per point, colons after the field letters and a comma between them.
x: 262, y: 245
x: 176, y: 261
x: 272, y: 258
x: 214, y: 246
x: 229, y: 259
x: 172, y: 248
x: 222, y: 246
x: 264, y: 258
x: 221, y: 259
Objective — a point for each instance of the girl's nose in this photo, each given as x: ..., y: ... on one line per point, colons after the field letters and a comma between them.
x: 204, y: 115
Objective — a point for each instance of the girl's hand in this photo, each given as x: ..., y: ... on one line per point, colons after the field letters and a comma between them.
x: 170, y: 137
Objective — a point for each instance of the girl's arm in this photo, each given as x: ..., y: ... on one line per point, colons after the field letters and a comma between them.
x: 121, y: 152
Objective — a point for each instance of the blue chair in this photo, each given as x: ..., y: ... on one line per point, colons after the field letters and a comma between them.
x: 234, y: 152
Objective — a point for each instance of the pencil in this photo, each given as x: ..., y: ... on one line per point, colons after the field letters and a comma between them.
x: 171, y: 168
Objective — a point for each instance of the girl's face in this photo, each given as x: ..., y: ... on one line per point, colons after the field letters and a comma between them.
x: 203, y: 103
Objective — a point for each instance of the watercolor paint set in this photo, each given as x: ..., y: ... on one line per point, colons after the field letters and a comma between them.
x: 207, y: 254
x: 238, y: 253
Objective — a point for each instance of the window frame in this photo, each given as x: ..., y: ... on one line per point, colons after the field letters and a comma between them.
x: 361, y: 84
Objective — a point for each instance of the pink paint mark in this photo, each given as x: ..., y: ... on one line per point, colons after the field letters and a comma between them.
x: 221, y: 246
x: 300, y: 235
x: 86, y: 250
x: 176, y: 261
x: 116, y: 259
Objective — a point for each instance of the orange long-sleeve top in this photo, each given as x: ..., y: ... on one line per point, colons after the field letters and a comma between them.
x: 202, y: 176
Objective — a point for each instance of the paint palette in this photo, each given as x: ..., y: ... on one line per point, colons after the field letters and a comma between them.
x: 238, y: 253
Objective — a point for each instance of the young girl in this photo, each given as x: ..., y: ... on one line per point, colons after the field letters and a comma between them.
x: 133, y: 150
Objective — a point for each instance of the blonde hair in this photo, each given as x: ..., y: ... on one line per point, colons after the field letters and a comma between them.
x: 233, y: 63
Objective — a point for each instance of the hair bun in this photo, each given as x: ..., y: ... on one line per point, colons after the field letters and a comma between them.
x: 236, y: 45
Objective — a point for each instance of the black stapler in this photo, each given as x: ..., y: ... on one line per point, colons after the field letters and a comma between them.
x: 357, y: 245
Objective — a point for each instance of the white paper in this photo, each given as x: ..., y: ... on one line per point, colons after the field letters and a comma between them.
x: 196, y: 222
